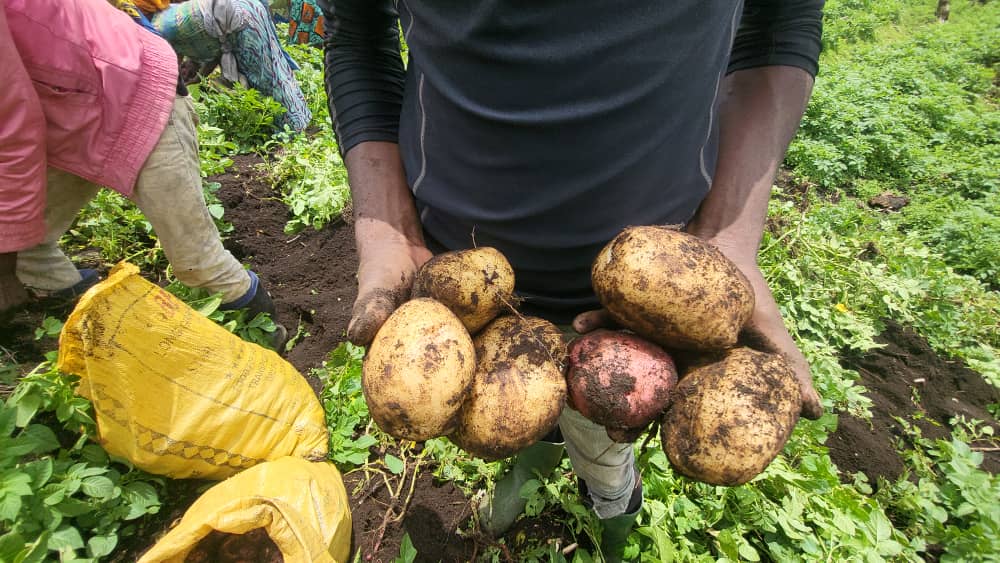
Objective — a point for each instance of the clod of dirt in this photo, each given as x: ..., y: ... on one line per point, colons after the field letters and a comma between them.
x: 907, y: 379
x: 888, y: 201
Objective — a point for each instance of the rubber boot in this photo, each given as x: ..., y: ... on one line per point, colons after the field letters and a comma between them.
x: 497, y: 513
x: 257, y: 300
x: 615, y: 530
x: 614, y: 534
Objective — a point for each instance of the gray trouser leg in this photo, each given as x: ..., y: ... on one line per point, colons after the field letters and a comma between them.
x: 44, y: 266
x: 169, y: 194
x: 604, y: 464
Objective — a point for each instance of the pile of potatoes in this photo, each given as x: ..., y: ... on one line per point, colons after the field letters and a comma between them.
x: 733, y: 408
x: 447, y: 363
x: 458, y: 360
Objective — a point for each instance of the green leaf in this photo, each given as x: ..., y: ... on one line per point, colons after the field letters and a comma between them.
x: 407, y: 553
x: 27, y: 406
x: 11, y: 544
x: 72, y: 507
x: 98, y: 486
x: 41, y: 438
x: 99, y: 546
x: 394, y: 464
x: 66, y: 537
x: 15, y: 482
x: 95, y: 455
x: 36, y: 551
x: 10, y: 506
x: 40, y: 471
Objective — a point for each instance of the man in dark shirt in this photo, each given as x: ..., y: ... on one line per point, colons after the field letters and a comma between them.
x: 544, y: 128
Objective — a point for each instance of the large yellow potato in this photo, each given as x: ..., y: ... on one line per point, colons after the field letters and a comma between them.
x: 418, y: 371
x: 672, y: 288
x: 730, y: 418
x: 476, y: 284
x: 518, y: 391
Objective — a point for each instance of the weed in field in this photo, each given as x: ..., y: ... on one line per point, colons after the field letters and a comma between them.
x: 244, y: 115
x: 346, y: 410
x: 951, y: 503
x: 312, y: 180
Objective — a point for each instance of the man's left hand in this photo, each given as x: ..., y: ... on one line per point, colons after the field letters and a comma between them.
x: 766, y: 330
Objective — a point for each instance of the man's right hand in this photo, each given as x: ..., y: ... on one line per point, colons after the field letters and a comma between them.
x: 388, y: 233
x: 385, y: 275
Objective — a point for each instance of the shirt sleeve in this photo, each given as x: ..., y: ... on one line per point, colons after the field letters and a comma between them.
x: 364, y: 71
x: 779, y: 32
x: 22, y: 152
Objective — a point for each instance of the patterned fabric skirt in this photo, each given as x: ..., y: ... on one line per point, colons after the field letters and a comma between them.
x: 256, y: 47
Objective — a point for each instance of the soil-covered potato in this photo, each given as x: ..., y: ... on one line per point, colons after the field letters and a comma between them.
x: 730, y: 418
x: 475, y: 284
x: 620, y: 381
x: 518, y: 391
x: 418, y: 371
x: 672, y: 288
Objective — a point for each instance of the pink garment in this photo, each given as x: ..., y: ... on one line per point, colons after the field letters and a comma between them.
x: 87, y: 90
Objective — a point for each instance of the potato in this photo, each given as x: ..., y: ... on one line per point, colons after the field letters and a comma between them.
x: 418, y: 371
x: 518, y: 391
x: 730, y: 418
x: 620, y: 381
x: 475, y: 284
x: 672, y: 289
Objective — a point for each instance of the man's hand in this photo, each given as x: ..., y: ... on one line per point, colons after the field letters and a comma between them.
x: 385, y: 275
x: 12, y: 292
x: 389, y: 236
x: 765, y: 331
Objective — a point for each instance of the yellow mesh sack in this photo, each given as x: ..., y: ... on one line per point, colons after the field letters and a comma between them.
x: 302, y: 506
x: 178, y: 395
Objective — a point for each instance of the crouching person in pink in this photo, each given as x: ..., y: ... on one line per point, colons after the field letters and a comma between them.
x: 91, y: 99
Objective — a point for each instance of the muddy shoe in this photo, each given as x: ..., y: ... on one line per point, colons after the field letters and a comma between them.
x: 257, y: 300
x: 63, y: 297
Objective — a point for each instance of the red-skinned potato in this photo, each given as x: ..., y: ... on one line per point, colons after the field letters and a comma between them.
x: 620, y: 381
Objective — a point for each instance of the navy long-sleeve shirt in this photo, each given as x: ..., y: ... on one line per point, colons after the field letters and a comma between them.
x: 543, y: 128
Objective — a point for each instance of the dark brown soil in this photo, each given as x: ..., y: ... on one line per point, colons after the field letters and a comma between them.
x: 434, y: 517
x: 254, y: 546
x: 906, y: 379
x: 311, y: 274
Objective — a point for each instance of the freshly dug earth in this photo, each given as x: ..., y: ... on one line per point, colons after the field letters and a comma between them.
x: 218, y: 547
x: 312, y: 277
x: 907, y: 379
x: 312, y: 274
